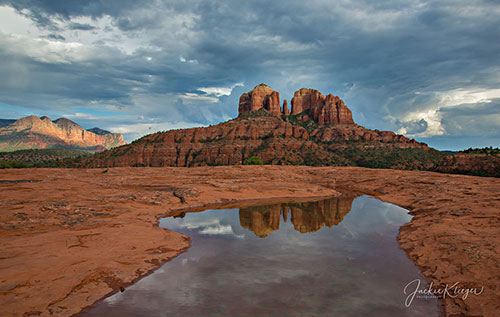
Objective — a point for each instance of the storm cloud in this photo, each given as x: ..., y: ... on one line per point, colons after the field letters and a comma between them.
x: 428, y: 69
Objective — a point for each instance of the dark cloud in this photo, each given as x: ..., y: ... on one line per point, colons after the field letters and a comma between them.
x: 56, y: 37
x: 68, y: 8
x: 478, y: 120
x: 415, y: 127
x: 389, y: 60
x: 81, y: 26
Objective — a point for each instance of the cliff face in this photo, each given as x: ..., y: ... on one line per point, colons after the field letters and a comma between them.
x: 319, y: 131
x: 262, y: 96
x: 324, y: 110
x: 229, y: 143
x: 39, y: 133
x: 273, y: 140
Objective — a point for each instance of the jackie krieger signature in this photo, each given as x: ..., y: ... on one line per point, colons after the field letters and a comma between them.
x: 413, y: 290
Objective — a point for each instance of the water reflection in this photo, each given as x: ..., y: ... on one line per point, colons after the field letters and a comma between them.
x: 305, y: 217
x: 348, y: 264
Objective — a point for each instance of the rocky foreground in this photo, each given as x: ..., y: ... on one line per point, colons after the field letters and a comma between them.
x: 72, y: 236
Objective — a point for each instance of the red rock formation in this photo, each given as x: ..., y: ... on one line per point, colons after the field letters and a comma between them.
x: 262, y: 96
x: 286, y: 111
x: 323, y: 110
x: 33, y: 132
x: 273, y: 138
x: 304, y: 98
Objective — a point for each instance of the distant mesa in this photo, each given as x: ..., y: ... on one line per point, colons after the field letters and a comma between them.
x: 34, y: 132
x: 322, y: 109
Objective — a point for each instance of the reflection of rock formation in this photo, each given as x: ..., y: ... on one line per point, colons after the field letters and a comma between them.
x: 306, y: 217
x: 262, y: 220
x: 312, y: 216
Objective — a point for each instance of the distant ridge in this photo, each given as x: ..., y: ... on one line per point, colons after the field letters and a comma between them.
x: 34, y: 132
x: 99, y: 131
x: 6, y: 122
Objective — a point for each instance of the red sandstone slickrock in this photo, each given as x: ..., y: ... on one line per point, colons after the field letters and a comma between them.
x: 78, y: 235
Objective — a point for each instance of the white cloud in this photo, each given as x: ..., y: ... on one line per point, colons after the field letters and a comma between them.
x: 468, y: 96
x: 182, y: 59
x: 79, y: 115
x: 104, y: 32
x: 45, y: 50
x: 196, y: 98
x: 132, y: 131
x: 443, y: 100
x: 21, y: 36
x: 14, y: 23
x: 220, y: 91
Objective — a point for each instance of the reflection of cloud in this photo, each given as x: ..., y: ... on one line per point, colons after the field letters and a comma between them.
x: 116, y: 298
x: 208, y: 227
x: 218, y: 229
x: 193, y: 224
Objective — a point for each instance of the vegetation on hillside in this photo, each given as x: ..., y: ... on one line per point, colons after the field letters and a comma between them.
x: 253, y: 160
x: 254, y: 114
x: 298, y: 120
x: 12, y: 164
x: 41, y: 158
x: 485, y: 150
x: 387, y: 156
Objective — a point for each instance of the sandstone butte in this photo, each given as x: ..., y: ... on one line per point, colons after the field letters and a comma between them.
x: 33, y: 132
x: 315, y: 132
x: 323, y: 110
x: 77, y: 235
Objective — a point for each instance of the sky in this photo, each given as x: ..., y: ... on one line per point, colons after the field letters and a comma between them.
x: 427, y: 69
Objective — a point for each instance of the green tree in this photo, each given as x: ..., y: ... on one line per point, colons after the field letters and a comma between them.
x: 253, y: 160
